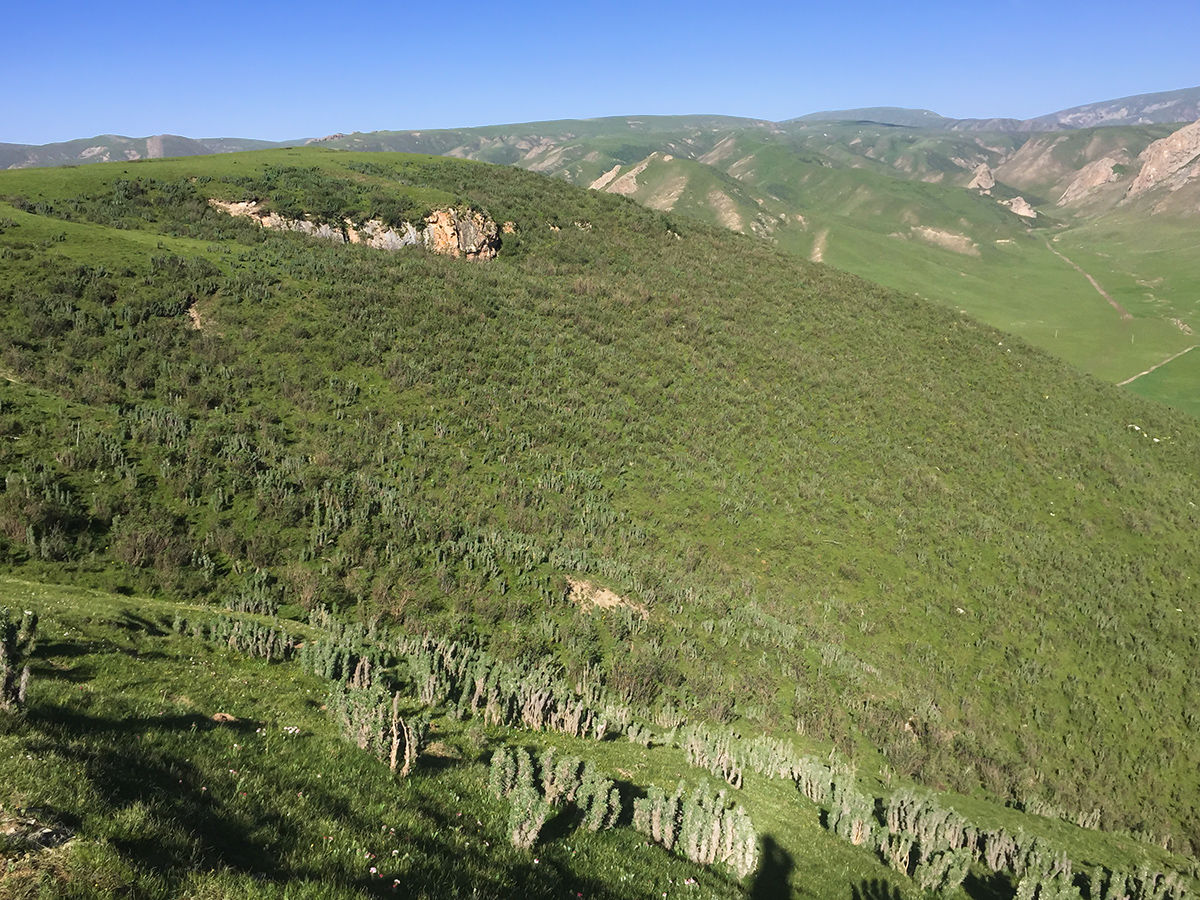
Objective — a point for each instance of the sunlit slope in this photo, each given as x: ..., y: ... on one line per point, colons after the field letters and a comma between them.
x: 848, y: 510
x: 847, y: 185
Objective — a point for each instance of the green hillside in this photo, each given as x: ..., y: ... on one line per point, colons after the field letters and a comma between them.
x: 659, y: 472
x: 889, y: 203
x: 883, y: 193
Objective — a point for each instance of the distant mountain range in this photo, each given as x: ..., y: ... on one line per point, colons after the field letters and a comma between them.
x: 1142, y: 109
x: 115, y: 147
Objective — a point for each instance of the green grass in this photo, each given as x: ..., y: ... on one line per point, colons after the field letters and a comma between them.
x: 1172, y: 384
x: 865, y: 183
x: 850, y: 511
x: 119, y: 744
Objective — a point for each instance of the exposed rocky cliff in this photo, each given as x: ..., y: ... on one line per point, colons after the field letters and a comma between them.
x: 1021, y: 207
x: 1166, y: 158
x: 1091, y: 176
x: 453, y: 232
x: 982, y: 179
x: 463, y: 233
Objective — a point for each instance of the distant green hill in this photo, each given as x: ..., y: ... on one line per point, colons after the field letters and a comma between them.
x: 872, y: 191
x: 882, y: 115
x: 655, y: 461
x: 112, y: 147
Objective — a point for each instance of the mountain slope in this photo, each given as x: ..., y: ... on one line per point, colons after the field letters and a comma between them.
x: 1162, y: 107
x: 108, y: 147
x: 838, y: 504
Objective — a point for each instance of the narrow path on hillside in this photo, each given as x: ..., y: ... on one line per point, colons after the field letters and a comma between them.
x: 1159, y: 366
x: 1099, y: 290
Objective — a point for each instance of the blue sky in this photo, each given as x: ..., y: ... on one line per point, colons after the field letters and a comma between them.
x: 279, y: 71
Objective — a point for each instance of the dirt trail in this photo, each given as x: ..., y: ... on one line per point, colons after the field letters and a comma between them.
x: 1158, y: 366
x: 1099, y: 290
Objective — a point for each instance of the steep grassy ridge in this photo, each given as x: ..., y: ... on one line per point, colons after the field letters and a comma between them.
x: 848, y: 512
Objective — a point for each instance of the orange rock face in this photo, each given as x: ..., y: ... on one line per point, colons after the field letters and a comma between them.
x: 462, y: 233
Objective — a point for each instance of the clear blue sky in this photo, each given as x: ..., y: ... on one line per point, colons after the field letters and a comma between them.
x: 279, y: 71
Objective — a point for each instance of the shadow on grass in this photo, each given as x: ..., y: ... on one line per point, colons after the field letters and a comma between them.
x: 876, y: 889
x: 774, y: 872
x: 128, y: 773
x: 73, y: 722
x: 989, y: 886
x: 171, y: 816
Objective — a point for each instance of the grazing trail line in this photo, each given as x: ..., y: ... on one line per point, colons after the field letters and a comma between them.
x: 1099, y: 290
x: 1160, y: 365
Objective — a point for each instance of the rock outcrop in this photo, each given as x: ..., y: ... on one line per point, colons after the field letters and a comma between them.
x: 463, y: 233
x: 627, y: 183
x: 1021, y: 207
x: 1165, y: 158
x: 453, y: 232
x: 603, y: 181
x: 374, y: 233
x: 983, y: 179
x: 1090, y: 176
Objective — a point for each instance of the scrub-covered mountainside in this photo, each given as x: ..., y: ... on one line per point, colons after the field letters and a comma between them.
x: 1074, y: 230
x: 698, y: 513
x: 1079, y: 239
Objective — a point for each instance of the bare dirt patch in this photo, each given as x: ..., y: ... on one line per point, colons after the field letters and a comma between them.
x: 668, y: 195
x: 818, y: 248
x: 726, y: 209
x: 602, y: 182
x: 947, y: 240
x: 587, y: 594
x: 627, y: 183
x: 716, y: 154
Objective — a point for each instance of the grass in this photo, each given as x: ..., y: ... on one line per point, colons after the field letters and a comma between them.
x: 120, y: 743
x: 850, y: 512
x: 865, y: 184
x: 885, y: 180
x: 1171, y: 384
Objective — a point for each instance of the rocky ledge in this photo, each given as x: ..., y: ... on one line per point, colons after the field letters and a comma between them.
x: 461, y: 233
x: 1167, y: 158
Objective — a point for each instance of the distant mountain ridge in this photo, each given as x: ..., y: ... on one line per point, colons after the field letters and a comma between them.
x: 1163, y: 107
x: 1141, y: 109
x: 115, y: 147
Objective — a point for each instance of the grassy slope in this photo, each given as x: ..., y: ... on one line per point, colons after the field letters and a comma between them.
x: 119, y: 744
x: 840, y: 471
x: 1030, y: 293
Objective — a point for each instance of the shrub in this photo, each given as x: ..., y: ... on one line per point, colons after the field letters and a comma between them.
x: 16, y: 644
